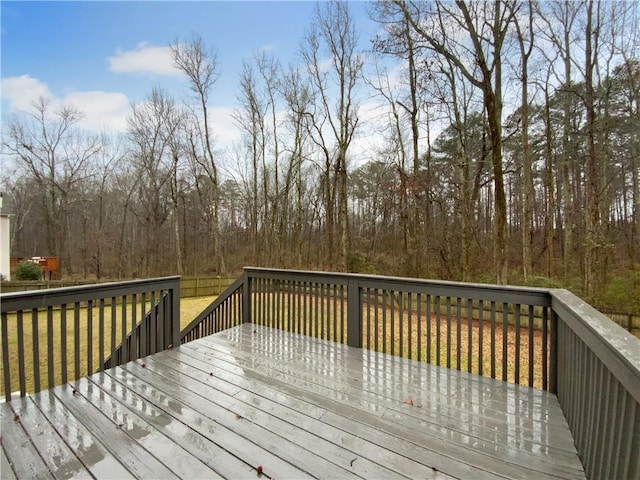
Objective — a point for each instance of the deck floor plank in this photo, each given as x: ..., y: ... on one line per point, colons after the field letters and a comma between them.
x: 202, y: 397
x: 352, y: 367
x: 227, y: 439
x: 250, y: 394
x: 6, y: 472
x: 139, y: 461
x: 298, y: 407
x: 63, y: 462
x: 539, y: 431
x: 224, y: 463
x: 21, y: 453
x: 85, y: 446
x: 516, y: 468
x: 338, y: 445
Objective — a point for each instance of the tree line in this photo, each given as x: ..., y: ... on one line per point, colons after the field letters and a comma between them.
x: 505, y: 147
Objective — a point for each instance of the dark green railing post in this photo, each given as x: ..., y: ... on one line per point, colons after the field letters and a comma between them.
x: 246, y: 299
x: 354, y: 313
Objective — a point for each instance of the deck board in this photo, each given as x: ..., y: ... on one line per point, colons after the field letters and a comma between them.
x: 299, y: 407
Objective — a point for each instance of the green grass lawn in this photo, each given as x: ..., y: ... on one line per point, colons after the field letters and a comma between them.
x: 86, y: 337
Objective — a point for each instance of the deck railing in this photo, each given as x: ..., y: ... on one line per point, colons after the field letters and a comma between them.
x: 548, y: 339
x: 65, y: 333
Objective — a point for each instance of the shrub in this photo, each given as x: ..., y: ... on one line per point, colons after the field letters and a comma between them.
x: 28, y: 271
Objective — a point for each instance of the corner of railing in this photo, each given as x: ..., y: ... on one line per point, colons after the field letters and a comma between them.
x: 246, y: 297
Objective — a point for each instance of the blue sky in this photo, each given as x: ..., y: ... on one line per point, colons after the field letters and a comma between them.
x: 101, y: 56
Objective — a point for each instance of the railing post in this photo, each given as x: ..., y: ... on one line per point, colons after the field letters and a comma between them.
x: 246, y: 299
x: 175, y: 314
x: 354, y: 314
x: 553, y: 354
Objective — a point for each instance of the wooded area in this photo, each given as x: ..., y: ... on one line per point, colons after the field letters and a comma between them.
x: 506, y: 148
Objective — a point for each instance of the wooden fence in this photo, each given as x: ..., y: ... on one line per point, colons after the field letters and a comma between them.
x: 189, y: 286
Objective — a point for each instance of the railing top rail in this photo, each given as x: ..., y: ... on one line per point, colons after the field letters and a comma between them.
x: 55, y: 296
x: 498, y: 293
x: 617, y: 348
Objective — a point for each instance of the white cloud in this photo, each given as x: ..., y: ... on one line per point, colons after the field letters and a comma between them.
x: 223, y: 127
x: 101, y: 110
x: 22, y: 91
x: 143, y: 59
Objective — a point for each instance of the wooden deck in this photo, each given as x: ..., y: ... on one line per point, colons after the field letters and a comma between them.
x: 253, y: 398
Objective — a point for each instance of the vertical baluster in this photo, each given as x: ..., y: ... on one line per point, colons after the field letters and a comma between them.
x: 135, y: 351
x: 89, y: 337
x: 123, y: 341
x: 428, y: 313
x: 531, y: 337
x: 438, y: 319
x: 143, y: 326
x: 335, y: 313
x: 316, y: 310
x: 448, y: 331
x: 322, y: 312
x: 101, y: 334
x: 401, y: 320
x: 493, y: 339
x: 63, y: 345
x: 419, y: 314
x: 343, y: 320
x: 376, y: 317
x: 76, y: 340
x: 517, y: 349
x: 35, y: 335
x: 153, y: 317
x: 366, y: 295
x: 21, y: 374
x: 393, y: 321
x: 5, y: 356
x: 459, y: 333
x: 470, y: 334
x: 480, y: 335
x: 505, y: 340
x: 114, y: 307
x: 410, y: 316
x: 278, y: 310
x: 545, y: 348
x: 305, y: 318
x: 384, y: 321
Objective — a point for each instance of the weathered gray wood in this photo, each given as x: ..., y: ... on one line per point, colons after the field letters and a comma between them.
x: 161, y: 417
x: 396, y: 391
x: 201, y: 397
x: 61, y: 461
x: 445, y: 434
x: 272, y: 366
x: 84, y: 444
x: 299, y: 407
x: 21, y: 453
x: 6, y: 471
x: 227, y: 439
x: 331, y: 443
x: 157, y: 441
x: 129, y: 452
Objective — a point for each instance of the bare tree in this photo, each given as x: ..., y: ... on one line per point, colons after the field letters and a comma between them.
x: 201, y: 67
x: 57, y: 156
x: 486, y: 26
x: 334, y: 35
